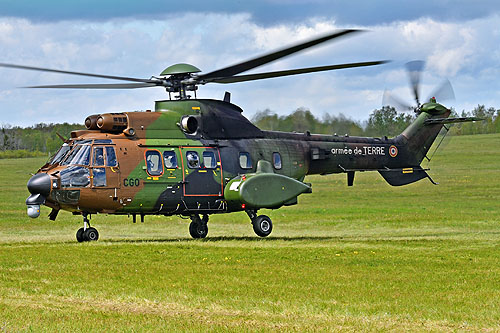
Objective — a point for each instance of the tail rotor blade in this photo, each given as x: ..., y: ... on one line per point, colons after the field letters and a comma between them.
x: 390, y: 100
x: 415, y: 69
x: 444, y: 92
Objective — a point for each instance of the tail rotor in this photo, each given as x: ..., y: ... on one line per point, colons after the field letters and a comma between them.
x: 415, y: 68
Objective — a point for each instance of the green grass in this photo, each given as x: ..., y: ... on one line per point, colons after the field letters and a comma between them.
x: 368, y: 257
x: 22, y: 153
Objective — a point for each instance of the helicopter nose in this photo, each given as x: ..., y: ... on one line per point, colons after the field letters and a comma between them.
x: 39, y: 187
x: 39, y: 184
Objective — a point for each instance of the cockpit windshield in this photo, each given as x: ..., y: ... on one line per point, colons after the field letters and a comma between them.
x: 76, y: 157
x: 75, y: 176
x: 61, y: 154
x: 80, y: 155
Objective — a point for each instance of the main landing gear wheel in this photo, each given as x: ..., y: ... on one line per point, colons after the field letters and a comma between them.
x: 262, y: 225
x: 87, y: 233
x: 80, y: 235
x: 198, y: 227
x: 91, y: 234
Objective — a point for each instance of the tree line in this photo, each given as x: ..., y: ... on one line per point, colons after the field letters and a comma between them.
x: 38, y: 138
x: 387, y: 121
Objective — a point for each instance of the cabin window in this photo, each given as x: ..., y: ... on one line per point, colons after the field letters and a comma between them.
x: 111, y: 157
x: 99, y: 177
x: 98, y: 156
x: 245, y: 160
x: 193, y: 159
x: 209, y: 160
x: 277, y: 161
x: 153, y: 163
x: 170, y: 159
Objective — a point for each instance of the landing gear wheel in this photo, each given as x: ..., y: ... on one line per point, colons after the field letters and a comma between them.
x: 262, y: 225
x: 87, y: 233
x: 80, y: 235
x: 91, y: 234
x: 198, y: 229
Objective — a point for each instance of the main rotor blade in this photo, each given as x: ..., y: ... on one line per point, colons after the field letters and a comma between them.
x: 444, y: 92
x: 390, y: 100
x: 98, y: 86
x: 267, y: 75
x: 415, y: 72
x: 267, y: 58
x: 41, y: 69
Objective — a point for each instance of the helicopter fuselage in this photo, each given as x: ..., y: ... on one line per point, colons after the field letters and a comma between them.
x: 191, y: 157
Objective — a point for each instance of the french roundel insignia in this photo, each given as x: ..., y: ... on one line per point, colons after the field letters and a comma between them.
x: 393, y: 151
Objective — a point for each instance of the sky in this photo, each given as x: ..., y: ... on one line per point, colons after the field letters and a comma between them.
x: 459, y: 40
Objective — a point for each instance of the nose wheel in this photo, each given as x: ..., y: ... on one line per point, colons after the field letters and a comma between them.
x: 87, y: 233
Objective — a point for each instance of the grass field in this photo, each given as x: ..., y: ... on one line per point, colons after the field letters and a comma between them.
x: 368, y: 257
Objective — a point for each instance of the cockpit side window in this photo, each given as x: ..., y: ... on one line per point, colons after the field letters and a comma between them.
x: 99, y: 177
x: 98, y: 156
x: 111, y: 157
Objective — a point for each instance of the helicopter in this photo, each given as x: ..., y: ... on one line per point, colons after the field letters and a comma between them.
x: 196, y: 157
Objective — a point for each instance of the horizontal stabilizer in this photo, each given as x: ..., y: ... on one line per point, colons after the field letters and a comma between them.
x: 450, y: 120
x: 404, y: 176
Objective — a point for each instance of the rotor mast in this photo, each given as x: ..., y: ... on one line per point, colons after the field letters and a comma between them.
x: 179, y: 78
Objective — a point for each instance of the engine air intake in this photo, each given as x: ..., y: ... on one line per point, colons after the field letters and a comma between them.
x: 91, y: 122
x: 112, y: 122
x: 189, y: 124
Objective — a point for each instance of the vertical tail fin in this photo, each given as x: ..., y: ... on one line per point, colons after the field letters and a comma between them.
x: 417, y: 139
x: 420, y: 135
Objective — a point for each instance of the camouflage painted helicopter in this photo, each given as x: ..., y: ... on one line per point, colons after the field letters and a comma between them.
x: 196, y: 157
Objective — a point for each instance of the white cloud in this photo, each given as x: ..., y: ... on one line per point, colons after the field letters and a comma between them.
x: 466, y: 52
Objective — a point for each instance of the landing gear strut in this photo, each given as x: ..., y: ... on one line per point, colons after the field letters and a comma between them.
x: 198, y: 227
x: 87, y: 233
x: 262, y: 224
